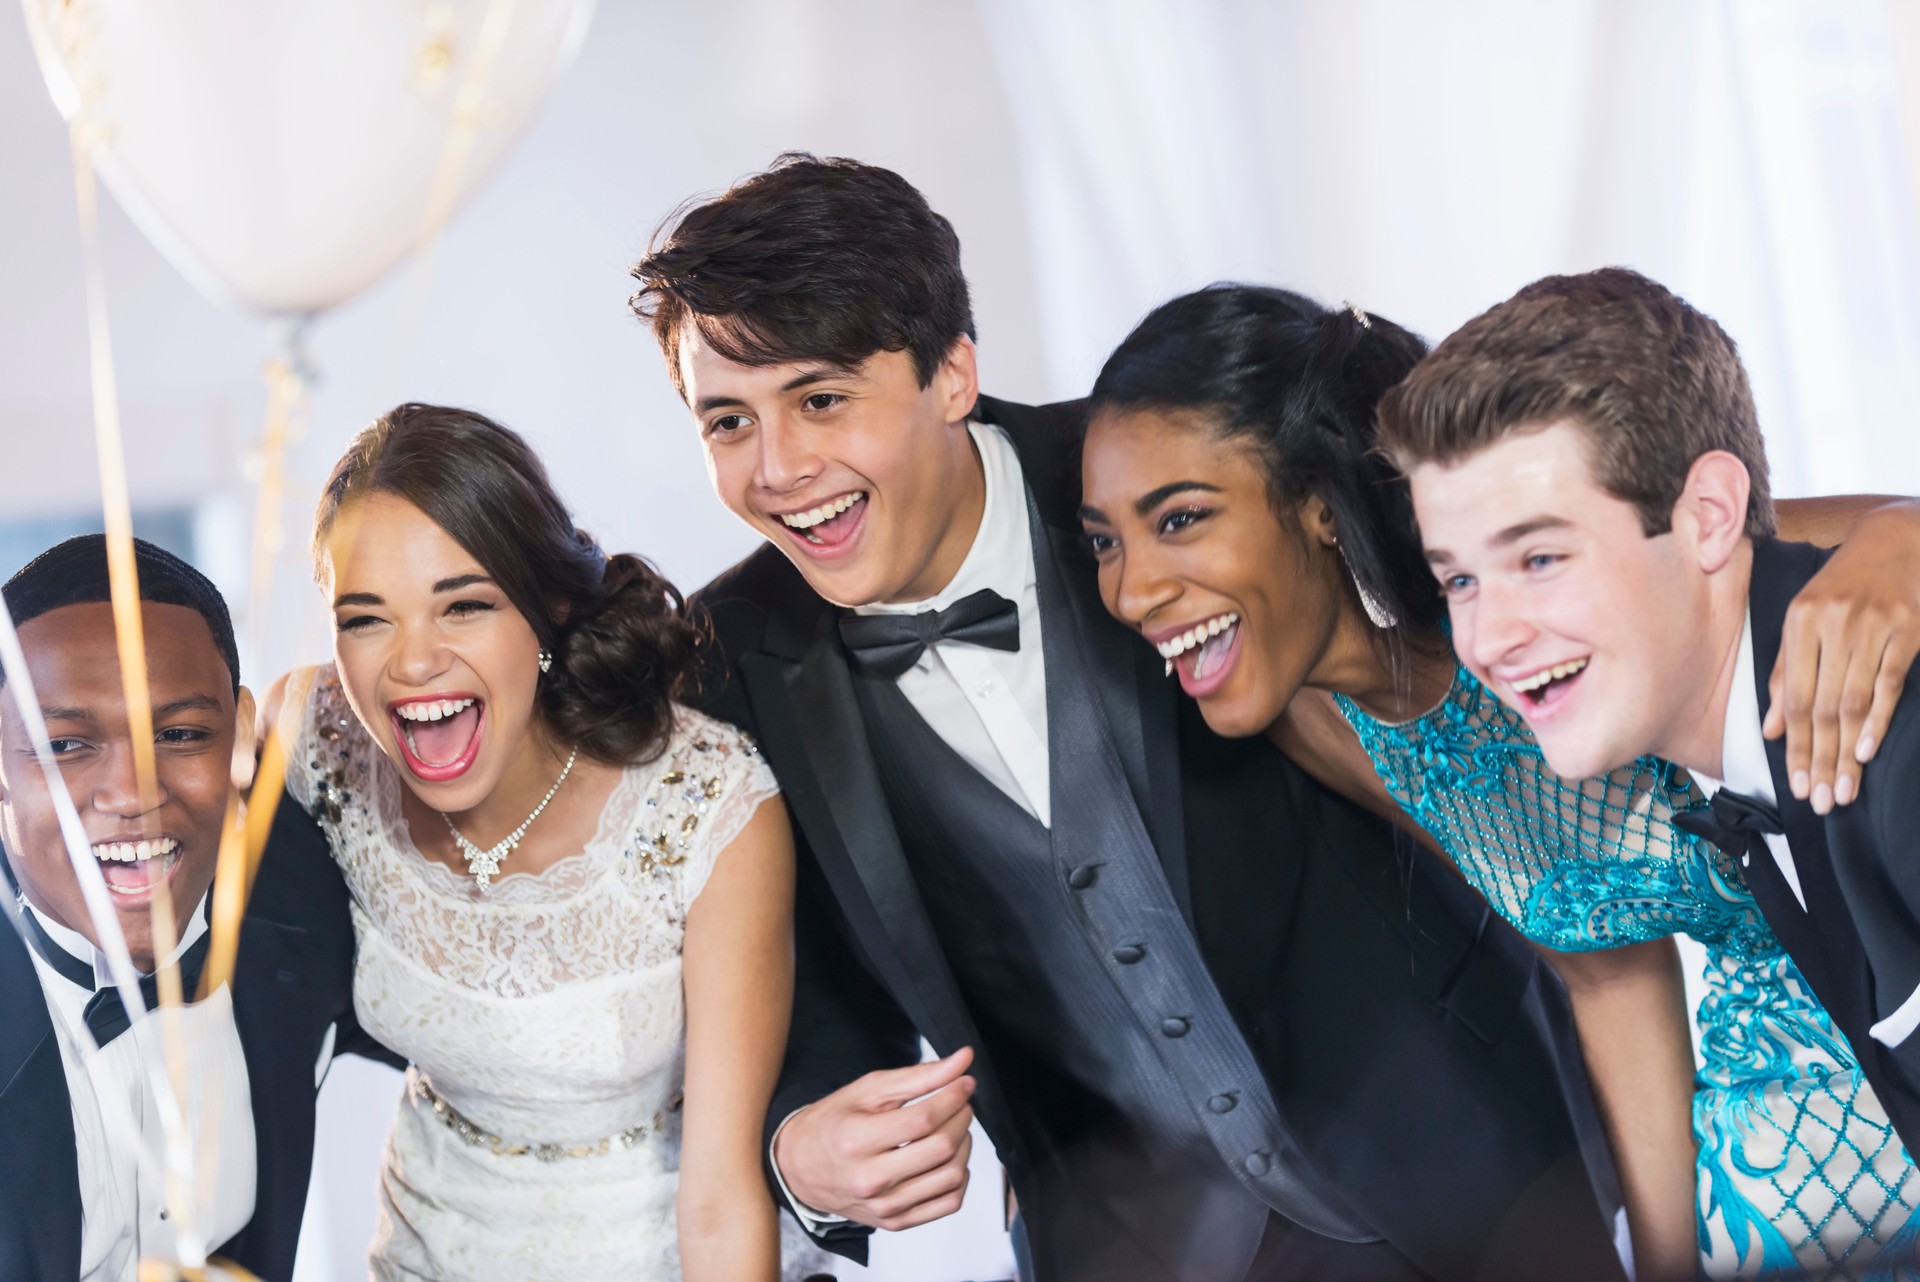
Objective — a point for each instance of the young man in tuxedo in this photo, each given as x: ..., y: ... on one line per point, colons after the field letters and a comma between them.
x: 1592, y: 489
x: 1218, y: 1026
x: 74, y: 1202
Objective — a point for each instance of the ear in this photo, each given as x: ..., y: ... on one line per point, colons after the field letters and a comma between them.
x: 957, y: 381
x: 1316, y: 521
x: 243, y: 740
x: 1712, y: 509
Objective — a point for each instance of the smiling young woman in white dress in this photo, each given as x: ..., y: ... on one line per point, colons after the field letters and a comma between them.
x: 572, y: 895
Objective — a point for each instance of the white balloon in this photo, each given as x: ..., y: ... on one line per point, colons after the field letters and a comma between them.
x: 285, y: 153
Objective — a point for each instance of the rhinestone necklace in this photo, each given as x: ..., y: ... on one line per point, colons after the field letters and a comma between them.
x: 483, y: 864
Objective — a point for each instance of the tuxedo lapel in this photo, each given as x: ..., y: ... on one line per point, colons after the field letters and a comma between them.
x: 272, y: 1009
x: 1139, y: 708
x: 810, y: 724
x: 1837, y: 973
x: 40, y: 1179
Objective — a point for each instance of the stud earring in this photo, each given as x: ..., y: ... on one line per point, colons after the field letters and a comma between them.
x: 546, y: 662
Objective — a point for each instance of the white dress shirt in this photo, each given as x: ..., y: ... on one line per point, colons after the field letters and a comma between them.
x: 125, y: 1216
x: 1743, y: 756
x: 990, y: 706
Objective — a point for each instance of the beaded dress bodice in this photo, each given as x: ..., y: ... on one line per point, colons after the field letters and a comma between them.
x: 1800, y: 1171
x: 543, y: 1015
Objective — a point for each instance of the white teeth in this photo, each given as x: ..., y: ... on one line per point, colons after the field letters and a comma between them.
x: 133, y: 852
x: 433, y: 709
x: 1526, y: 685
x: 826, y: 511
x: 1175, y: 647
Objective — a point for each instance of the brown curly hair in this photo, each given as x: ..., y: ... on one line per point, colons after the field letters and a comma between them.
x: 623, y: 647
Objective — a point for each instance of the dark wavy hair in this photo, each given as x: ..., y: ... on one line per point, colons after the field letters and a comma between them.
x: 1302, y: 384
x: 623, y: 648
x: 808, y: 260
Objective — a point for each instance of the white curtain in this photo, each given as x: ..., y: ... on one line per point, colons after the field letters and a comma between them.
x: 1426, y: 160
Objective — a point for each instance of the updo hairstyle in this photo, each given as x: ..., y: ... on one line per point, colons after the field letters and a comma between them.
x: 622, y: 646
x: 1301, y: 383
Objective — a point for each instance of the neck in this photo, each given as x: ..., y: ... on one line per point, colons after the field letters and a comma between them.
x: 1356, y: 663
x: 1697, y: 732
x: 961, y: 530
x: 535, y: 765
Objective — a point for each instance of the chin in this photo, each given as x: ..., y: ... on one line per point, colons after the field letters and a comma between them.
x: 1234, y: 718
x: 1580, y: 756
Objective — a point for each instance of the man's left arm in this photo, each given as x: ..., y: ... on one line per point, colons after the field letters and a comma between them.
x: 1848, y: 641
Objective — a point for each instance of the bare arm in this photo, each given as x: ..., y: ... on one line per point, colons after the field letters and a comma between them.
x: 737, y: 968
x: 1313, y: 734
x: 1847, y: 642
x: 1630, y: 1006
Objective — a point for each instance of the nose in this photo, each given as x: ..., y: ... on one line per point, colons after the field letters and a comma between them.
x: 419, y: 655
x: 787, y: 459
x: 1496, y: 626
x: 1140, y: 585
x: 116, y: 785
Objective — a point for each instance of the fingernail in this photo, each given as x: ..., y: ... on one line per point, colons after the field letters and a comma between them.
x: 1800, y: 784
x: 1863, y: 751
x: 1822, y: 799
x: 1843, y: 789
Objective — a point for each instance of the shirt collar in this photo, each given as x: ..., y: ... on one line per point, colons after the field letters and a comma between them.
x: 1743, y: 749
x: 79, y: 946
x: 1001, y: 557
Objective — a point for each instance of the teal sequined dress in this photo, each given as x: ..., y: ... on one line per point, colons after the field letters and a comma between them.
x: 1800, y: 1173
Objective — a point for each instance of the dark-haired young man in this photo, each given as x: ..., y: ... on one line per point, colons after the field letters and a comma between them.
x: 73, y: 1201
x: 1592, y: 490
x: 1216, y: 1025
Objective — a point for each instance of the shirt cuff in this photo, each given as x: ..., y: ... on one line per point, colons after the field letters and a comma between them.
x: 1899, y: 1026
x: 814, y: 1222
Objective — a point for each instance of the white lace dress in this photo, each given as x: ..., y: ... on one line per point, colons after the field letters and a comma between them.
x: 539, y: 1133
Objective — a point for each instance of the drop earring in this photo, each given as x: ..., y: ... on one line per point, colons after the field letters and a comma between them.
x: 546, y: 662
x: 1377, y: 612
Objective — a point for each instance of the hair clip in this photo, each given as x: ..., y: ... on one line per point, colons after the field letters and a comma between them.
x: 1358, y: 314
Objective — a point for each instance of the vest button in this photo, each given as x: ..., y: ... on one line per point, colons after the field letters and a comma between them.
x: 1222, y: 1103
x: 1258, y: 1164
x: 1083, y: 876
x: 1174, y: 1026
x: 1128, y: 954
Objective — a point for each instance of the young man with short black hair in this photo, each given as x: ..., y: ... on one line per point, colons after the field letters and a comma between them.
x: 73, y: 1200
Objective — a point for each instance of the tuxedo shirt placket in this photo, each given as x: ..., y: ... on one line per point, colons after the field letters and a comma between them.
x: 124, y: 1216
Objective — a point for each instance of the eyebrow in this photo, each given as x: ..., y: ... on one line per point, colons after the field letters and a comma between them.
x: 1512, y: 534
x: 806, y: 378
x: 453, y: 584
x: 1153, y: 498
x: 174, y: 707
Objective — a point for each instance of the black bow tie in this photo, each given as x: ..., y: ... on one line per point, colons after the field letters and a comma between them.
x: 886, y: 645
x: 1732, y: 821
x: 106, y: 1016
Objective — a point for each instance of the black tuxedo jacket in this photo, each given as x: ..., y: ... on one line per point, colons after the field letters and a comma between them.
x: 292, y: 983
x: 1419, y: 1049
x: 1858, y: 938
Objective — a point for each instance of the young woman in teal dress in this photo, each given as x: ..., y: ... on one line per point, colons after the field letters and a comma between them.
x: 1244, y: 525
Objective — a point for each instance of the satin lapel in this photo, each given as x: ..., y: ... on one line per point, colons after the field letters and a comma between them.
x: 272, y: 1010
x: 1780, y: 570
x: 40, y: 1178
x: 812, y: 731
x: 1138, y: 703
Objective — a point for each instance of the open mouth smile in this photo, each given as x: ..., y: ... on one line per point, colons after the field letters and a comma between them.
x: 1542, y: 691
x: 828, y: 527
x: 132, y: 869
x: 1203, y: 653
x: 439, y: 734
